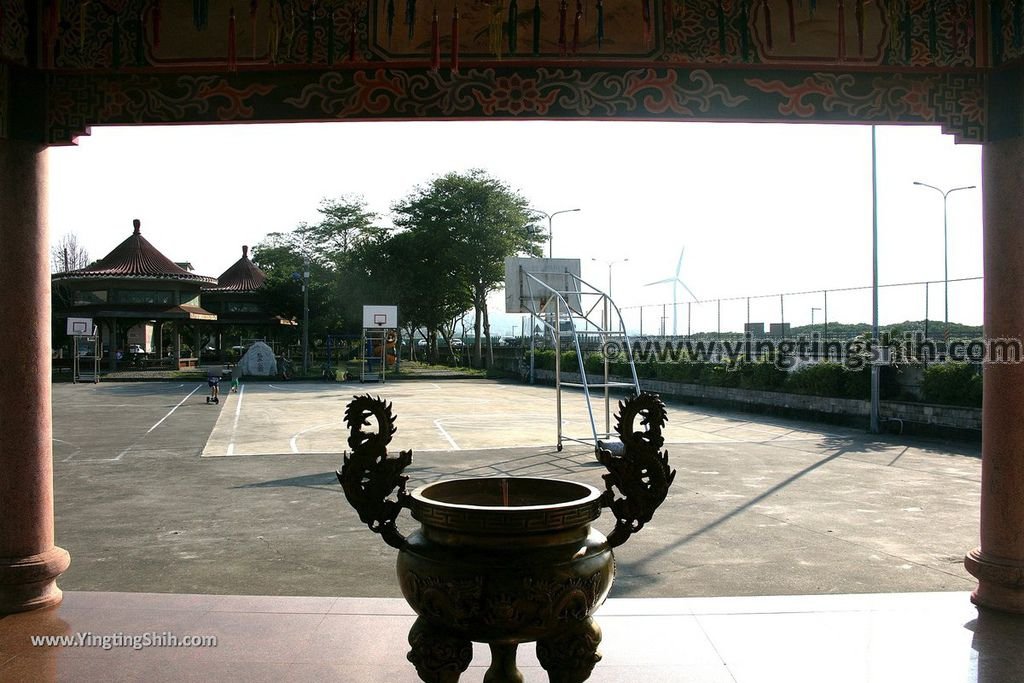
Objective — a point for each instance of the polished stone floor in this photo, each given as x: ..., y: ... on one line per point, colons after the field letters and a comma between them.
x: 869, y: 638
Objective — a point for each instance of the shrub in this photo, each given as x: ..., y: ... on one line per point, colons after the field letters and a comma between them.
x: 762, y: 376
x: 720, y: 375
x: 543, y: 359
x: 594, y: 363
x: 957, y: 384
x: 829, y: 379
x: 682, y: 371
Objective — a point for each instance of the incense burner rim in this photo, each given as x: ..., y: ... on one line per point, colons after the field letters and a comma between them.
x: 578, y: 506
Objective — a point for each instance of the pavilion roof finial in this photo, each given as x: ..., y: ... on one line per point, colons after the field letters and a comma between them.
x: 138, y: 225
x: 245, y: 251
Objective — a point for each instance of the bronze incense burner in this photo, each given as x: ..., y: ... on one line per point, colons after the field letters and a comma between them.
x: 506, y: 560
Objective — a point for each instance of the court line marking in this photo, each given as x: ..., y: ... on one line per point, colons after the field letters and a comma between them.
x: 78, y: 449
x: 426, y: 450
x: 171, y: 412
x: 159, y: 422
x: 234, y: 425
x: 133, y: 388
x: 293, y: 443
x: 445, y: 434
x: 77, y: 404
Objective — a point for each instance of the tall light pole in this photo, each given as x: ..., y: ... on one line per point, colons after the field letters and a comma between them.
x: 813, y: 309
x: 305, y: 316
x: 945, y: 239
x: 550, y: 217
x: 610, y: 264
x: 876, y: 370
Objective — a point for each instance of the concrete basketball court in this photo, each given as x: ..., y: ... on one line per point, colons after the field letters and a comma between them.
x: 148, y: 499
x: 449, y: 415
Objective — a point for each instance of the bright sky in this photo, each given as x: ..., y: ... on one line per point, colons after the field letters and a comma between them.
x: 760, y: 209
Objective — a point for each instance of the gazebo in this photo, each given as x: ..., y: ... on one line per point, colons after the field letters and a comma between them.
x: 133, y: 285
x: 239, y: 301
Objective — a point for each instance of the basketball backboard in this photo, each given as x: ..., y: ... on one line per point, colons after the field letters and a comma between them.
x: 380, y: 317
x: 524, y: 294
x: 81, y: 327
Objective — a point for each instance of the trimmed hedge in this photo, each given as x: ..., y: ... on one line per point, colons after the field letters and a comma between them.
x: 946, y: 383
x: 957, y: 384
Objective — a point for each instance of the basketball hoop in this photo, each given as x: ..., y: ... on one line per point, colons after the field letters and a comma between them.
x: 380, y: 317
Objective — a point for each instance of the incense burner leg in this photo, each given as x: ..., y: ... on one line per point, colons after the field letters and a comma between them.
x: 439, y: 657
x: 570, y: 656
x: 503, y: 664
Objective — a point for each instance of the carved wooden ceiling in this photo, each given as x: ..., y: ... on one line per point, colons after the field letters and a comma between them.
x: 66, y: 65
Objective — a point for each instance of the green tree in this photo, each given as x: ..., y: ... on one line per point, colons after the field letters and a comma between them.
x: 278, y: 256
x: 416, y: 270
x: 346, y: 224
x: 338, y: 284
x: 474, y: 222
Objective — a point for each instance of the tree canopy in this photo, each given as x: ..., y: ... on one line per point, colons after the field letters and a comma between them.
x: 332, y: 249
x: 447, y: 253
x: 471, y: 222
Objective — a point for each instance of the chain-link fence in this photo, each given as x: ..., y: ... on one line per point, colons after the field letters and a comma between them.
x: 832, y: 313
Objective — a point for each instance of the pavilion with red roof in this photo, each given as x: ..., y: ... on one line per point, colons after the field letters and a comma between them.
x: 132, y: 292
x: 239, y: 302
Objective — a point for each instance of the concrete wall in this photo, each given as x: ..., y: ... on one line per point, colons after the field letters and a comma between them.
x: 898, y: 417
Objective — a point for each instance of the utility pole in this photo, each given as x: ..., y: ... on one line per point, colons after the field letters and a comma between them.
x: 305, y: 316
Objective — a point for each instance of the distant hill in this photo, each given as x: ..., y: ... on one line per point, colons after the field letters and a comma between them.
x: 935, y: 328
x: 850, y: 330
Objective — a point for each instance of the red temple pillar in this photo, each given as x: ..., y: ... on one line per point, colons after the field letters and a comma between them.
x: 998, y: 563
x: 29, y: 561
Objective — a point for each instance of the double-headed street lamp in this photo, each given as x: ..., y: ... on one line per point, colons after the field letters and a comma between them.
x: 610, y: 264
x: 550, y: 217
x: 945, y: 239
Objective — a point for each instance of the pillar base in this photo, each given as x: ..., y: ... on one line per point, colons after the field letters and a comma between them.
x: 28, y: 583
x: 1000, y: 581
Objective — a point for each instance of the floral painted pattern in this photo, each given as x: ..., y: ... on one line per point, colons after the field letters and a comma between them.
x: 956, y: 101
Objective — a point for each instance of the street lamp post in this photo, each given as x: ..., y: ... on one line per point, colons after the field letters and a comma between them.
x: 305, y: 316
x: 610, y: 264
x: 550, y: 217
x: 945, y: 240
x: 605, y: 311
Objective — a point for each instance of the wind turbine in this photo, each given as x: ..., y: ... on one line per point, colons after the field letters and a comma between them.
x: 675, y: 281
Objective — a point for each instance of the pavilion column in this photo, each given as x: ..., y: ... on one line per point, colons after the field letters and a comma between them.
x: 998, y: 563
x: 29, y: 561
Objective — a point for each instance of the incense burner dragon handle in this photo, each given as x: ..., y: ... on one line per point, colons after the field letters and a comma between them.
x: 638, y: 476
x: 373, y: 482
